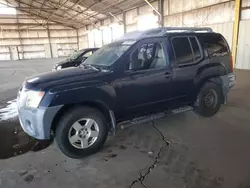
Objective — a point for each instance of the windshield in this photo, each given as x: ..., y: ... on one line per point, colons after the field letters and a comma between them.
x: 108, y: 54
x: 75, y: 55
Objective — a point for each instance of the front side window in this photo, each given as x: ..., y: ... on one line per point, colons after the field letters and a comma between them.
x: 147, y: 56
x: 182, y: 49
x: 108, y: 54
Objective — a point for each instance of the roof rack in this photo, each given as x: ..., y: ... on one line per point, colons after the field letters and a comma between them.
x: 161, y: 31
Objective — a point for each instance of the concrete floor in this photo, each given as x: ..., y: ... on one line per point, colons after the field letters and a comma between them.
x: 202, y: 152
x: 13, y: 73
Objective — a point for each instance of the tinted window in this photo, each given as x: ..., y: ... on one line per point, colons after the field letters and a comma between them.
x: 196, y: 49
x: 215, y: 45
x: 182, y: 49
x: 147, y: 56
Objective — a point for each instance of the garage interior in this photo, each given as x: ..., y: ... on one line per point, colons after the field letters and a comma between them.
x: 180, y: 151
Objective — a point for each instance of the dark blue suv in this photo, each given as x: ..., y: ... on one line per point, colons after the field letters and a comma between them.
x: 139, y: 77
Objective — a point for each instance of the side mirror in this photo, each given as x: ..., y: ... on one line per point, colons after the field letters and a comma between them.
x: 83, y: 59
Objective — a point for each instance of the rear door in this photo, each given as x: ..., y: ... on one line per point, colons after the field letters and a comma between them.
x: 187, y: 54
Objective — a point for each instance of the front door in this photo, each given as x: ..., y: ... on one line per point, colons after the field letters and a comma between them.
x: 146, y: 85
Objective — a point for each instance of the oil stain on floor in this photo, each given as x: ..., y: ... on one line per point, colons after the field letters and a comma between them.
x: 13, y: 140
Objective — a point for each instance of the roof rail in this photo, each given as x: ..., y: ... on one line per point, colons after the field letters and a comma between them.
x: 163, y: 30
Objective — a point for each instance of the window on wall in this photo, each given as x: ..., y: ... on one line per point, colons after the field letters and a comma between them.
x: 98, y: 37
x: 148, y: 21
x: 4, y: 9
x: 117, y: 31
x: 107, y: 35
x: 91, y: 39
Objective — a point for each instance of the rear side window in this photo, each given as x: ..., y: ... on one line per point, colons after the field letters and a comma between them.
x: 182, y: 49
x: 214, y: 44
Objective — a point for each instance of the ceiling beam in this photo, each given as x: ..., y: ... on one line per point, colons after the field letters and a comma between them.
x: 32, y: 6
x: 136, y: 5
x: 71, y: 7
x: 57, y: 21
x: 52, y: 3
x: 41, y: 7
x: 42, y: 10
x: 62, y: 5
x: 104, y: 10
x: 25, y: 8
x: 86, y: 9
x: 31, y: 2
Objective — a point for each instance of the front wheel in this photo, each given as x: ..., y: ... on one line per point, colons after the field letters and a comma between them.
x: 81, y: 132
x: 209, y: 100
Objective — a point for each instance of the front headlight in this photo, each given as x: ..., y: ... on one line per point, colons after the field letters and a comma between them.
x: 59, y: 67
x: 33, y: 98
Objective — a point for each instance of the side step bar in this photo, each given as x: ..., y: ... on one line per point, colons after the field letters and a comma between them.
x: 144, y: 119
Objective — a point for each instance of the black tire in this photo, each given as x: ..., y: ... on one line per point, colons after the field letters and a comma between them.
x: 65, y: 123
x: 203, y: 107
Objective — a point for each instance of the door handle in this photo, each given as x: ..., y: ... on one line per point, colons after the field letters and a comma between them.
x: 168, y: 74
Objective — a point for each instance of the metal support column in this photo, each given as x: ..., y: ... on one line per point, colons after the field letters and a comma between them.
x: 161, y: 10
x: 77, y: 39
x: 236, y: 29
x: 153, y: 7
x: 20, y: 37
x: 50, y: 46
x: 124, y: 22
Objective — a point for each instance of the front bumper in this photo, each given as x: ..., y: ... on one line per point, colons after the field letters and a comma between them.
x: 37, y: 122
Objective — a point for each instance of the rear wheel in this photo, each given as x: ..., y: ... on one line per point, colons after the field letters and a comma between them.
x: 81, y: 132
x: 209, y: 99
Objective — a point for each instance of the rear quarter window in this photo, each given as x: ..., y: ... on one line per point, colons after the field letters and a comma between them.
x: 214, y: 44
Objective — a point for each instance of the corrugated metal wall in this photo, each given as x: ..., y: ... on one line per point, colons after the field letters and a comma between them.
x: 217, y: 14
x: 24, y: 38
x: 243, y: 52
x: 35, y: 42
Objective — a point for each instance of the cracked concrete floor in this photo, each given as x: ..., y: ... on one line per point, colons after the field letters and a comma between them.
x: 182, y: 151
x: 197, y: 153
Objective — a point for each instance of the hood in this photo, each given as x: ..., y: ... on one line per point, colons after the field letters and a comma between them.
x: 60, y: 77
